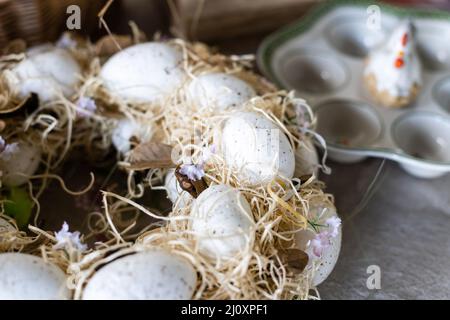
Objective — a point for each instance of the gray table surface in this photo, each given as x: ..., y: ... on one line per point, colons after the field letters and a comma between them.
x: 404, y: 228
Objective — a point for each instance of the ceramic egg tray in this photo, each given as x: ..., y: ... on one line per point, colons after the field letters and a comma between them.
x: 322, y: 58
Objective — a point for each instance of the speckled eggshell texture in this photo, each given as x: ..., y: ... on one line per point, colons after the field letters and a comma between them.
x: 219, y: 91
x: 222, y: 221
x: 26, y: 277
x: 145, y: 72
x: 150, y: 275
x: 256, y: 148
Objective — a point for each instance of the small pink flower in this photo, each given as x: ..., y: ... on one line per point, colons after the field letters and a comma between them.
x: 323, y: 239
x: 67, y: 240
x: 320, y: 243
x: 192, y: 171
x: 333, y: 224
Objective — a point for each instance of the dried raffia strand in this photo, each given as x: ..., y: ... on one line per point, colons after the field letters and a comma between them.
x: 14, y: 240
x: 279, y: 210
x: 256, y: 273
x: 251, y: 275
x: 56, y: 128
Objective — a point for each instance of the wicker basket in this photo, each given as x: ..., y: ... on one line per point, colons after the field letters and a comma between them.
x: 37, y: 21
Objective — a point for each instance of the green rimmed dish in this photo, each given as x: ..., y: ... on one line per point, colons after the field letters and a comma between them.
x: 322, y: 58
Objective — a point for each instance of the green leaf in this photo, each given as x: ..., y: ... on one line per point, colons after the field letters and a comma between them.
x: 19, y: 205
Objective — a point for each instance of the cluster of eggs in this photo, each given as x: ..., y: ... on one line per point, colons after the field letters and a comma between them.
x: 48, y: 72
x: 222, y: 218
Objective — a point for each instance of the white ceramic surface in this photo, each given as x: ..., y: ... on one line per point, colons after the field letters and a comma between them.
x: 322, y: 58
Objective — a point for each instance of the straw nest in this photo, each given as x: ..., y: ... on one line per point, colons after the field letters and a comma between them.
x: 270, y: 266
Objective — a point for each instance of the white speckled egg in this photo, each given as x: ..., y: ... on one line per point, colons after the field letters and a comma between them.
x: 47, y: 71
x: 256, y: 147
x: 222, y: 221
x: 150, y: 275
x: 219, y: 91
x: 26, y: 277
x: 302, y: 239
x: 306, y: 159
x: 125, y: 130
x: 174, y: 191
x: 144, y: 72
x: 330, y: 254
x: 328, y: 259
x: 25, y: 161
